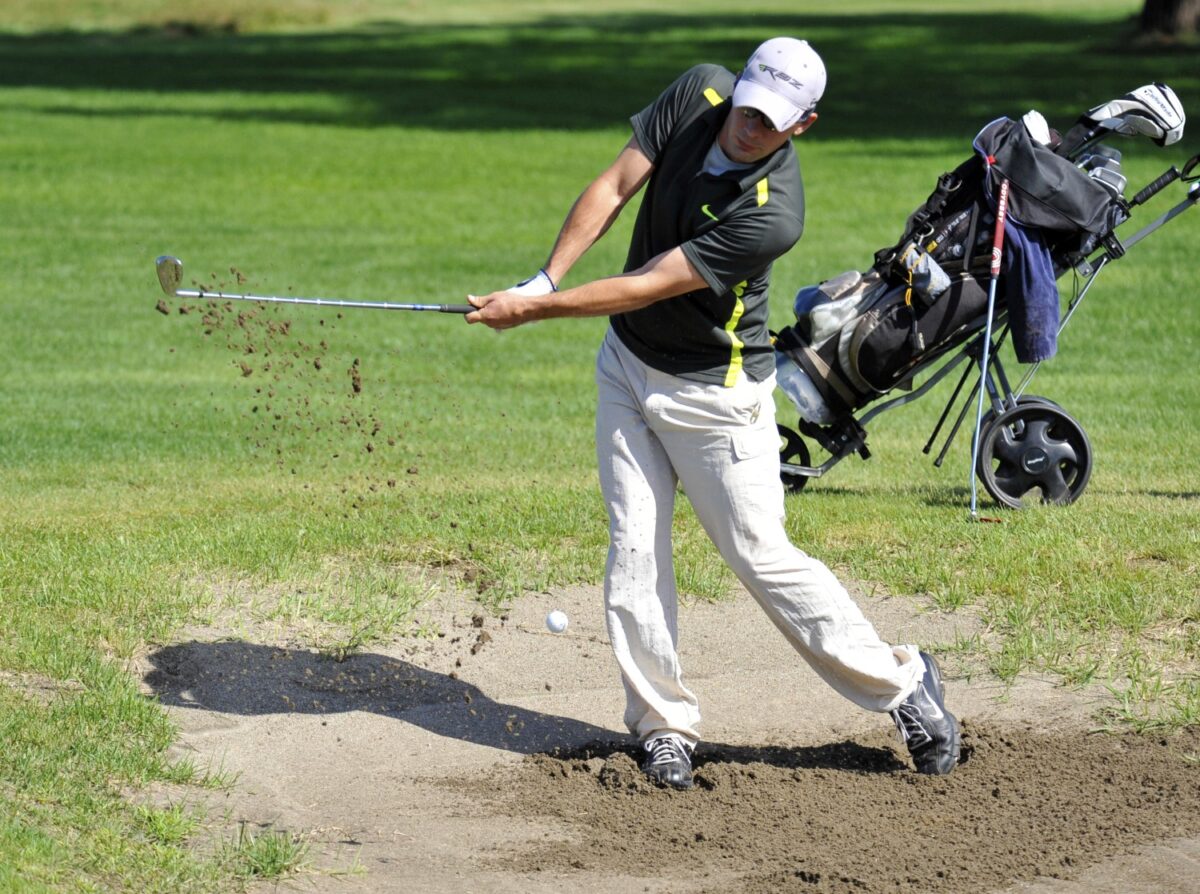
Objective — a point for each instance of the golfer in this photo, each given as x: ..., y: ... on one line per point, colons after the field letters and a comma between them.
x: 686, y: 376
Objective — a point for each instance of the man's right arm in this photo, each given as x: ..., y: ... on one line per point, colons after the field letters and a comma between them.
x: 597, y: 207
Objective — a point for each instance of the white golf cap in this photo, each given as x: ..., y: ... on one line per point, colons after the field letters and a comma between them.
x: 783, y: 79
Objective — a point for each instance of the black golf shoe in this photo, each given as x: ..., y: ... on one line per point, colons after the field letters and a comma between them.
x: 927, y: 728
x: 668, y: 762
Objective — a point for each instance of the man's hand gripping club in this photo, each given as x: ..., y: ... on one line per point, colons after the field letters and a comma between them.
x: 665, y: 276
x: 537, y: 286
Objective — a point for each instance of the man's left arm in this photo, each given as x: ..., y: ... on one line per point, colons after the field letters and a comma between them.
x: 664, y: 276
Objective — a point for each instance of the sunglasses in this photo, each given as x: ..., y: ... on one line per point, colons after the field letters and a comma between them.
x: 755, y: 115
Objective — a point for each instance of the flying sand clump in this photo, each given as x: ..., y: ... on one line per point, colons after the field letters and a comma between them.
x: 298, y: 390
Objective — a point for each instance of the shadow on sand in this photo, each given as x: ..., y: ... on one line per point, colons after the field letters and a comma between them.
x: 242, y: 678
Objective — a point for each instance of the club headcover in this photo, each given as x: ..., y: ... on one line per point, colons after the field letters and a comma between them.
x: 1153, y: 111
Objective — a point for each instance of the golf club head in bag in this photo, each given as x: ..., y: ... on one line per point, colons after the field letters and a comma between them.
x: 1103, y: 164
x: 1153, y: 111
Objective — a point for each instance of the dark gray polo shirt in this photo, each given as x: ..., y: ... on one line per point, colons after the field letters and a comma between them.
x: 731, y: 228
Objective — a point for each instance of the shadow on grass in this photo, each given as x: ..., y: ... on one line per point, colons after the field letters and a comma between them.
x: 891, y: 76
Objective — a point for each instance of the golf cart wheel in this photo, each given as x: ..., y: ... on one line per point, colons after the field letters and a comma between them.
x: 792, y: 449
x: 1034, y: 447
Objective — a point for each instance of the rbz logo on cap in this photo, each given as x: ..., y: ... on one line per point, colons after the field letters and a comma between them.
x: 780, y: 76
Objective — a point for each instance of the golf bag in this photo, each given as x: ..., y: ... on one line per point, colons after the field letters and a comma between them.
x: 860, y: 335
x: 921, y: 309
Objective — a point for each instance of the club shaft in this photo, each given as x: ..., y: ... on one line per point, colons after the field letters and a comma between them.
x: 324, y: 302
x: 997, y: 254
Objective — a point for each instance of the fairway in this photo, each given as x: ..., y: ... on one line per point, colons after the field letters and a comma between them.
x: 186, y: 483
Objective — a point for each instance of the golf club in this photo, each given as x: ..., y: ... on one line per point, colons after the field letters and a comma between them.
x: 997, y: 254
x: 170, y: 276
x: 1153, y: 111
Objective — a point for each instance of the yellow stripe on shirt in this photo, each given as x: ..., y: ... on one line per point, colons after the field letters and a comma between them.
x: 763, y: 193
x: 736, y: 344
x: 713, y: 96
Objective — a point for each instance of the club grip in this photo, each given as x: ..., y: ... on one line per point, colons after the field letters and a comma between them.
x: 998, y: 232
x: 457, y: 308
x: 1149, y: 192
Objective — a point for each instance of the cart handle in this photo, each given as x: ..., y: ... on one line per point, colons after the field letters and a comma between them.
x: 1165, y: 179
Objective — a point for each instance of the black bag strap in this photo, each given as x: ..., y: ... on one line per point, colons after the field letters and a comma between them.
x: 918, y: 222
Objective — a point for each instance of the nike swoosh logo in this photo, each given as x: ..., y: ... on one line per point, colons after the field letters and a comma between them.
x: 704, y: 208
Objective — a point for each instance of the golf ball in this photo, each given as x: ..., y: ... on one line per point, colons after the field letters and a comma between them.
x: 556, y: 621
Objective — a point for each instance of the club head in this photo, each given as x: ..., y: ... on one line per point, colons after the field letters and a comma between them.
x: 170, y: 273
x: 1153, y: 111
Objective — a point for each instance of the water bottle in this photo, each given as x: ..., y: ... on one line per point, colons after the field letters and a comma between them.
x: 801, y: 391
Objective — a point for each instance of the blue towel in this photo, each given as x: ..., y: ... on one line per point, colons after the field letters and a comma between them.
x: 1031, y: 291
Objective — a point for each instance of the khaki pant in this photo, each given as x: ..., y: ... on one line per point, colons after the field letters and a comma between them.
x: 654, y: 430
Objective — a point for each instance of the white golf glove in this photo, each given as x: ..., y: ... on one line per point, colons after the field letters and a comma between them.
x: 1038, y: 129
x: 537, y: 285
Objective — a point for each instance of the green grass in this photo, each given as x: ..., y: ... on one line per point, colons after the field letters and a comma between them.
x: 172, y: 824
x: 270, y: 854
x: 300, y: 15
x: 380, y: 150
